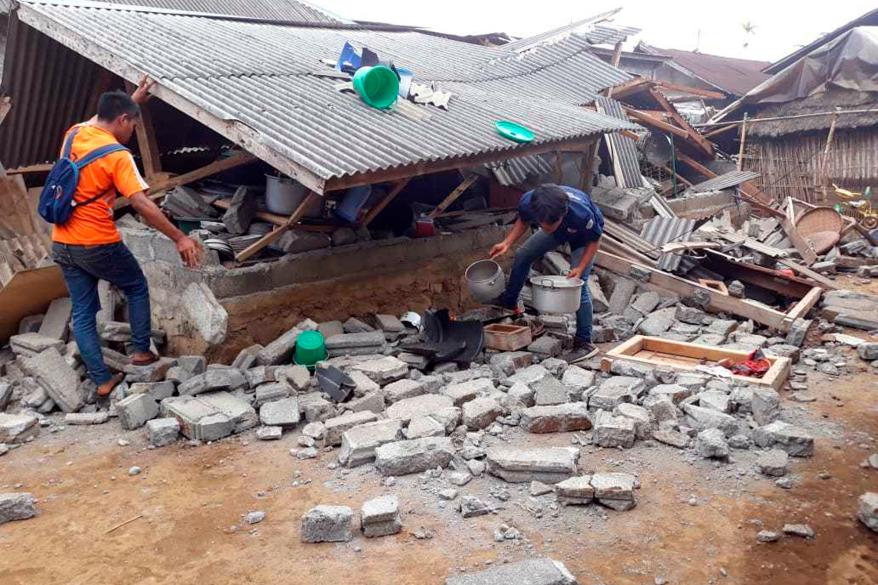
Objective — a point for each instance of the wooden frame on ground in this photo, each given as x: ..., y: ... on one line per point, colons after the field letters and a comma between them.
x: 680, y: 355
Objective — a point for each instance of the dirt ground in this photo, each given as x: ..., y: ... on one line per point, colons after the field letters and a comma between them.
x: 188, y: 502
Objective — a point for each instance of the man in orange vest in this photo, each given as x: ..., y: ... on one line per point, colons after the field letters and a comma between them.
x: 88, y: 247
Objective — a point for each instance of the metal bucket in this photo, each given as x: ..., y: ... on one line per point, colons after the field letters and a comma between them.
x: 556, y: 294
x: 485, y: 280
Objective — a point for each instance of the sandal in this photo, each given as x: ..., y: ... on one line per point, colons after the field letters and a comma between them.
x: 145, y: 361
x: 107, y: 387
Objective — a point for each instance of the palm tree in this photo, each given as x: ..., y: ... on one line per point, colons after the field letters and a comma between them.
x: 749, y: 31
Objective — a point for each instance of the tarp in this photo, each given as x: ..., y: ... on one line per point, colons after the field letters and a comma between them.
x: 847, y: 62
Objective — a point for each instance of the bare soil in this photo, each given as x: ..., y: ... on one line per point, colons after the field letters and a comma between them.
x: 188, y: 503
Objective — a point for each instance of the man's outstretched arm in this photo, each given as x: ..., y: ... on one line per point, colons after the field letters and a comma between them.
x: 190, y: 251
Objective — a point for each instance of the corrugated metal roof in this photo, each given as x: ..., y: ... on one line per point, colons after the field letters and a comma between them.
x: 622, y: 148
x: 735, y: 76
x: 660, y: 230
x: 266, y: 78
x: 515, y: 171
x: 280, y: 10
x: 724, y: 181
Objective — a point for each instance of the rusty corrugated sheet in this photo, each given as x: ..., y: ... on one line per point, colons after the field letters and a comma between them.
x: 270, y: 78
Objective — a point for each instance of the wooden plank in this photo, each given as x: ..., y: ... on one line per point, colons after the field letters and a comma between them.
x: 721, y: 130
x: 274, y: 234
x: 38, y: 168
x: 806, y: 272
x: 453, y: 196
x: 630, y: 87
x: 660, y: 281
x: 379, y: 207
x: 242, y: 158
x: 669, y: 349
x: 806, y: 304
x: 648, y: 120
x: 694, y: 136
x: 742, y: 142
x: 689, y: 90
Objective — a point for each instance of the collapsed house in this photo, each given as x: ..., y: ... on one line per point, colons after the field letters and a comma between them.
x: 237, y: 94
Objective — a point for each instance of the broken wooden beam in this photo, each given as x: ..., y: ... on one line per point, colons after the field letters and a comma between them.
x: 453, y: 196
x: 158, y: 190
x: 379, y: 207
x: 273, y: 235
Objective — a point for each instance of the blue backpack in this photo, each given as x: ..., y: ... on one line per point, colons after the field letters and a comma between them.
x: 56, y: 199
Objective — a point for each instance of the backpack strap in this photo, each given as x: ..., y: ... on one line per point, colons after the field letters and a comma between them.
x: 90, y: 158
x: 68, y: 144
x: 98, y: 153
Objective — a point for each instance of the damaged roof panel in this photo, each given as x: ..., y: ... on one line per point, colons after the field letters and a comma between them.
x: 261, y: 85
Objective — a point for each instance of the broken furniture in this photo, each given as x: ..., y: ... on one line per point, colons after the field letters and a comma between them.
x: 658, y: 352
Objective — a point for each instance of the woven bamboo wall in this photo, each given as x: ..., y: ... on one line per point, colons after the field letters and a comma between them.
x: 791, y: 166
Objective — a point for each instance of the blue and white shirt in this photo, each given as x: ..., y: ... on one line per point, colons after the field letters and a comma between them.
x: 582, y: 224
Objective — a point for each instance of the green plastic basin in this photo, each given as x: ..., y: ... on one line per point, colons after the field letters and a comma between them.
x: 310, y: 349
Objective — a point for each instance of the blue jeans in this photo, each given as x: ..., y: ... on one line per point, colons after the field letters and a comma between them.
x: 532, y: 250
x: 83, y: 266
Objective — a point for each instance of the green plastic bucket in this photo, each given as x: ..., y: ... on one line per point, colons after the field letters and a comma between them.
x: 310, y: 349
x: 378, y: 86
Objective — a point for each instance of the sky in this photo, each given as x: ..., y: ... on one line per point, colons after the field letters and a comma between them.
x: 778, y: 26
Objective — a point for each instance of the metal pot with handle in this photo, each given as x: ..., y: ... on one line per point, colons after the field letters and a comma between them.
x: 556, y: 294
x: 485, y: 280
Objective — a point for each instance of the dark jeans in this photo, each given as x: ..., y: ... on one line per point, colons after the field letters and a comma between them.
x: 532, y: 250
x: 83, y: 266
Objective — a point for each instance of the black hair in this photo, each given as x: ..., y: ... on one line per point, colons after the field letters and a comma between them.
x: 549, y: 203
x: 113, y: 104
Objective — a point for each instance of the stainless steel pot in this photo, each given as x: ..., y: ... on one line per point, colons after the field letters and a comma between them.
x: 485, y: 280
x: 556, y: 294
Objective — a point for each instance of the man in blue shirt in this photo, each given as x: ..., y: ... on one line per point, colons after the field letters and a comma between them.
x: 565, y: 216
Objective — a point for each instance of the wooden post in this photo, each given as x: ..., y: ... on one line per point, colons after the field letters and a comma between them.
x: 614, y: 61
x: 379, y: 207
x: 824, y: 163
x: 146, y: 141
x: 274, y: 234
x: 559, y: 171
x: 586, y: 173
x: 743, y: 140
x: 453, y: 196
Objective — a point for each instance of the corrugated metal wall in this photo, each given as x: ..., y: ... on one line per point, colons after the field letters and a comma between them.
x: 791, y: 166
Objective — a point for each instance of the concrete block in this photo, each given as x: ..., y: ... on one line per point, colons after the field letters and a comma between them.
x: 383, y: 370
x: 530, y: 375
x: 358, y: 444
x: 370, y: 339
x: 86, y: 418
x: 796, y: 441
x: 259, y: 375
x: 867, y: 510
x: 135, y: 410
x: 467, y: 391
x: 28, y: 344
x: 614, y: 391
x: 701, y: 419
x: 158, y: 390
x: 281, y: 349
x: 54, y: 374
x: 212, y: 380
x: 658, y: 322
x: 316, y: 407
x: 246, y: 358
x: 405, y: 410
x: 30, y: 324
x: 613, y: 431
x: 546, y: 346
x: 523, y: 465
x: 154, y: 372
x: 424, y: 426
x: 298, y: 241
x: 364, y: 384
x: 162, y: 431
x: 56, y: 323
x: 282, y: 413
x: 269, y: 433
x: 415, y: 456
x: 204, y: 311
x: 640, y: 416
x: 241, y: 212
x: 773, y: 463
x: 549, y: 391
x: 237, y: 410
x: 711, y: 444
x: 402, y: 389
x: 614, y: 490
x: 511, y: 361
x: 389, y: 324
x: 17, y: 506
x: 379, y: 510
x: 542, y: 571
x: 330, y: 328
x: 765, y: 405
x: 373, y: 402
x: 327, y: 524
x: 480, y: 413
x: 560, y: 418
x: 298, y: 377
x: 18, y: 428
x: 676, y: 393
x: 575, y: 491
x: 335, y: 427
